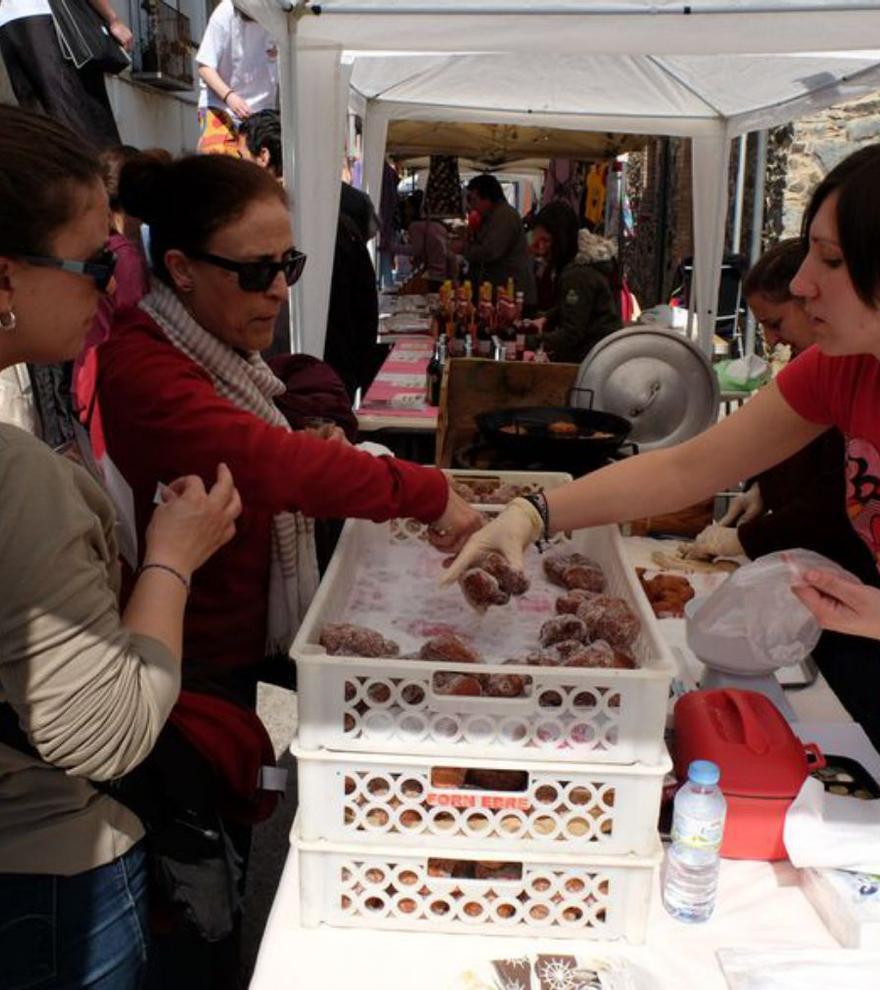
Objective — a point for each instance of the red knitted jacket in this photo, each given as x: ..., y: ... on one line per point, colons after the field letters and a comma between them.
x: 162, y: 419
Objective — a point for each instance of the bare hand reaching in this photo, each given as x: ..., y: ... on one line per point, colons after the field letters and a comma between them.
x: 239, y: 106
x: 191, y: 524
x: 459, y: 520
x: 122, y: 33
x: 840, y: 604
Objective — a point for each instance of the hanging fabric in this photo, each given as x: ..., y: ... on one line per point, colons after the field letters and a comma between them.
x: 443, y: 196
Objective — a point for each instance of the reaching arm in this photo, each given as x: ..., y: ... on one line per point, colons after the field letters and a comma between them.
x: 117, y: 27
x: 765, y: 431
x: 214, y: 81
x: 762, y: 433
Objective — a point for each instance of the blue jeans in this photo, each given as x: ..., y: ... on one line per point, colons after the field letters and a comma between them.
x: 83, y: 932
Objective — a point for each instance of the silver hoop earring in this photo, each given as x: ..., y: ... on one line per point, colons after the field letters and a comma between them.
x: 8, y: 321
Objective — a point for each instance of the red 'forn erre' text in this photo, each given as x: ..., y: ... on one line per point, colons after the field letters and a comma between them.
x: 469, y: 799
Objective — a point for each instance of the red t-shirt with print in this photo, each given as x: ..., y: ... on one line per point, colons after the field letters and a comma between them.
x: 845, y: 392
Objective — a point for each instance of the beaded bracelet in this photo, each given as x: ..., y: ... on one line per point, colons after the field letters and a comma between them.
x: 539, y: 501
x: 169, y: 569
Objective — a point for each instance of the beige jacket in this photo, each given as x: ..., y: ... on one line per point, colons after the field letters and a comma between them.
x: 91, y: 696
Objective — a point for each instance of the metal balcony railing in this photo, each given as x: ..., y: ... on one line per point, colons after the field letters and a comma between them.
x: 163, y: 54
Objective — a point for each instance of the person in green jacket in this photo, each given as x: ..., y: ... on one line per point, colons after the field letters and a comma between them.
x: 581, y: 267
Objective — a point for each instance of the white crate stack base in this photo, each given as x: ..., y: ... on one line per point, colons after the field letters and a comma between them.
x: 376, y: 800
x: 390, y: 705
x: 578, y: 841
x: 554, y: 896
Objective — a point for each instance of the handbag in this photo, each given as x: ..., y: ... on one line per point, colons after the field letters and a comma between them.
x: 84, y: 37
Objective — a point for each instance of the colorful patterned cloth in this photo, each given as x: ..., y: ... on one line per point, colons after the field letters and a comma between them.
x: 219, y: 133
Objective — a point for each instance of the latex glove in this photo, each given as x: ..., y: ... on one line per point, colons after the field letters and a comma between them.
x: 840, y: 604
x: 509, y: 534
x: 744, y: 508
x: 717, y: 541
x: 458, y: 522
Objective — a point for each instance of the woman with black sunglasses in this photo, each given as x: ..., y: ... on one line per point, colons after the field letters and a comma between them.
x: 181, y: 381
x: 84, y: 689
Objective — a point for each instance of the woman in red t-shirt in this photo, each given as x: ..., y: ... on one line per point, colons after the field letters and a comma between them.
x: 835, y: 383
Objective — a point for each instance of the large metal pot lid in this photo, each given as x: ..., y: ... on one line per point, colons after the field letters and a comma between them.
x: 655, y: 378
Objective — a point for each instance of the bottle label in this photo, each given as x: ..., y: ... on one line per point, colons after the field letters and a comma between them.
x: 698, y: 833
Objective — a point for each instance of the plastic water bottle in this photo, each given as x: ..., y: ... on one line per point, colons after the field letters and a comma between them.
x: 691, y: 875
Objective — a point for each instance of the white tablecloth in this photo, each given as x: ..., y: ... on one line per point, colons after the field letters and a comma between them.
x: 759, y: 905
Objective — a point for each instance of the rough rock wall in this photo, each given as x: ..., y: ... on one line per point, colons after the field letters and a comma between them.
x: 809, y: 150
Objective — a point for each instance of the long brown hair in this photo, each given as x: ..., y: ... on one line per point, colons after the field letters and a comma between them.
x: 43, y: 165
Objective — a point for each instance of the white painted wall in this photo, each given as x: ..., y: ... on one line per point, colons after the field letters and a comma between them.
x: 148, y: 117
x: 151, y: 118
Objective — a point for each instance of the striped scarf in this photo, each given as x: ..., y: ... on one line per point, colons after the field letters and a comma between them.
x: 248, y: 383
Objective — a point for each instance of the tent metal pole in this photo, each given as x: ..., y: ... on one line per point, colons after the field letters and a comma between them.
x: 736, y: 237
x: 606, y: 10
x: 757, y: 227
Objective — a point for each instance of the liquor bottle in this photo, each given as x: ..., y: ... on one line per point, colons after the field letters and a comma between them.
x: 434, y: 372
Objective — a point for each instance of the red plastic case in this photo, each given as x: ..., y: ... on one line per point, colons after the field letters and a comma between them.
x: 763, y: 764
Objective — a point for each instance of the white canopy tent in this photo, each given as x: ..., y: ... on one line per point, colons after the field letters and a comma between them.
x: 708, y: 71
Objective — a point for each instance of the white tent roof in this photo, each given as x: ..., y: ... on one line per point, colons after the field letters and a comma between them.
x: 705, y: 70
x: 656, y: 94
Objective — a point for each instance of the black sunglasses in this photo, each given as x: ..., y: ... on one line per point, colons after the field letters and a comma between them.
x: 99, y: 267
x: 257, y: 276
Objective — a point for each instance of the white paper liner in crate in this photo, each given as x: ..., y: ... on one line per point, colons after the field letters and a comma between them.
x: 375, y: 800
x: 385, y: 576
x: 555, y: 896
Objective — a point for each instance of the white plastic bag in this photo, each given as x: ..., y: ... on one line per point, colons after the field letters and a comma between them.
x: 747, y: 370
x: 755, y: 611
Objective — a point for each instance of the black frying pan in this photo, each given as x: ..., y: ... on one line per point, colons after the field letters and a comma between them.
x: 574, y: 440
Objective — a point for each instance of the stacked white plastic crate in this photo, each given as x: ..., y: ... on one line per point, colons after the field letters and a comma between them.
x: 381, y: 821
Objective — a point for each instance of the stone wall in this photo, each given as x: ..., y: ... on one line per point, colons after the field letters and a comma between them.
x: 799, y: 155
x: 811, y: 147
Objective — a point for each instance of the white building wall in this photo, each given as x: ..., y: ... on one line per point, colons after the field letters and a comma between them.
x: 148, y: 117
x: 151, y: 118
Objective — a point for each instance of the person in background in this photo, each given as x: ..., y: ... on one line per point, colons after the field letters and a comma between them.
x: 84, y: 687
x: 350, y: 347
x: 388, y: 225
x: 43, y: 79
x: 428, y: 244
x: 261, y: 141
x: 835, y: 383
x: 497, y: 250
x: 238, y: 76
x: 584, y: 309
x: 800, y: 502
x: 131, y: 276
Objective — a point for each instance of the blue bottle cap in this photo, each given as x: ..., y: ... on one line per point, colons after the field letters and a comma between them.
x: 704, y: 772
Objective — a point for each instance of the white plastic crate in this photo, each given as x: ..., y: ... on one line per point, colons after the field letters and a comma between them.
x: 351, y: 797
x: 546, y: 896
x: 384, y: 576
x: 488, y: 482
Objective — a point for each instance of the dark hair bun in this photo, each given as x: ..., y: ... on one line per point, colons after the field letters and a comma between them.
x: 144, y: 187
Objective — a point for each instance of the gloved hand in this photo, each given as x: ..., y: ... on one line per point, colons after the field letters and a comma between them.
x: 744, y: 508
x: 716, y: 541
x: 509, y: 534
